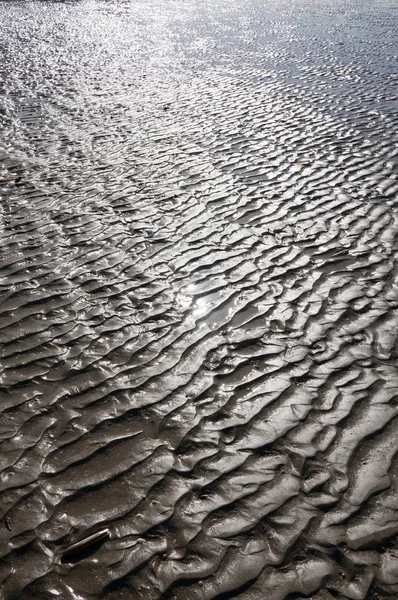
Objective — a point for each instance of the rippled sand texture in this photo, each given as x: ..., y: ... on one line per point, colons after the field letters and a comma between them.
x: 199, y: 299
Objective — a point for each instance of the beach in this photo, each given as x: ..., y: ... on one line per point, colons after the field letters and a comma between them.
x: 199, y: 300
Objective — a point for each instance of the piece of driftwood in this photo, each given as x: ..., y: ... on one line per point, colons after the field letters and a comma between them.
x: 86, y: 543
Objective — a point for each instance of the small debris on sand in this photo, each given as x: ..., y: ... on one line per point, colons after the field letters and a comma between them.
x: 85, y: 543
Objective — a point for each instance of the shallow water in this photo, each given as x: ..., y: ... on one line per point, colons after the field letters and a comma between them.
x: 199, y: 294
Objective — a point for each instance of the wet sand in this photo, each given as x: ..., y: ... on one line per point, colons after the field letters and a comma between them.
x: 199, y: 300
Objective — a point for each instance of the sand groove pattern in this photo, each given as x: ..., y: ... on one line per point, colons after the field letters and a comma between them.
x: 199, y: 300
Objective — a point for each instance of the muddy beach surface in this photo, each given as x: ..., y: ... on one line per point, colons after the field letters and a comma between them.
x: 199, y: 300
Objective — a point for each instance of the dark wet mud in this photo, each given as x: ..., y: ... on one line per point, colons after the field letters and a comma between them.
x: 199, y: 300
